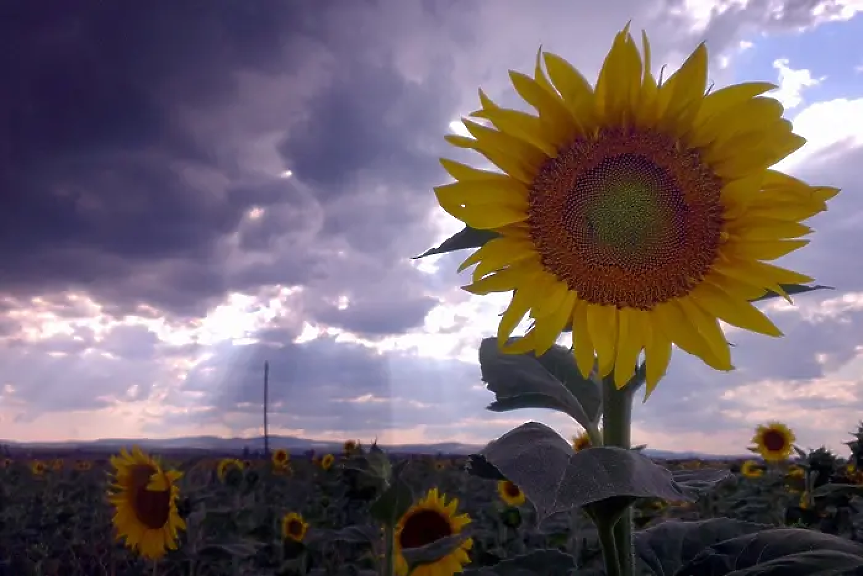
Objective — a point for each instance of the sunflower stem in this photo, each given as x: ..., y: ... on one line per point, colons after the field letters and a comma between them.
x: 616, y: 431
x: 610, y: 553
x: 389, y: 549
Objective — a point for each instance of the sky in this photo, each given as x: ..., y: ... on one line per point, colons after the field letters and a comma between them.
x: 187, y: 193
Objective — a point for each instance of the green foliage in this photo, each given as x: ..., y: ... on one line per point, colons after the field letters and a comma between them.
x: 466, y: 238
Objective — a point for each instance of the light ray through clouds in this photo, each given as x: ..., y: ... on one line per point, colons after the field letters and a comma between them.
x: 261, y: 196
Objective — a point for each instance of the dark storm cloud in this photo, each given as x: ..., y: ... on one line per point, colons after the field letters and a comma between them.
x: 121, y: 141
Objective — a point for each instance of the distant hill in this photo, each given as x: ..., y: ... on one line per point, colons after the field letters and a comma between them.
x: 290, y: 443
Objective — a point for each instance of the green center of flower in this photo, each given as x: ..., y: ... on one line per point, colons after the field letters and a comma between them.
x: 626, y: 218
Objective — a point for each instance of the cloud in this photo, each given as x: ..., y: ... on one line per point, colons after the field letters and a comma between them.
x: 155, y: 251
x: 792, y: 83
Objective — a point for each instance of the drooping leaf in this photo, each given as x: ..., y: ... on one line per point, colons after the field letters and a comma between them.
x: 699, y: 480
x: 355, y: 534
x: 434, y: 551
x: 574, y: 479
x: 791, y: 290
x: 668, y: 546
x: 550, y: 381
x: 466, y: 238
x: 546, y: 562
x: 779, y: 552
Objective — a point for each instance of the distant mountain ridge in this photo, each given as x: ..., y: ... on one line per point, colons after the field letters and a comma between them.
x: 290, y: 443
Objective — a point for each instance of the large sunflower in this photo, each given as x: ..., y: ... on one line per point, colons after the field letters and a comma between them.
x: 429, y: 520
x: 773, y: 441
x: 510, y: 493
x: 639, y: 211
x: 145, y: 500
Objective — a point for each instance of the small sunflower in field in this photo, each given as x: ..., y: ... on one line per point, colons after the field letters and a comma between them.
x: 327, y: 461
x: 57, y: 464
x: 247, y: 464
x: 6, y: 463
x: 773, y: 441
x: 350, y: 446
x: 281, y: 458
x: 144, y: 497
x: 751, y: 469
x: 440, y: 465
x: 38, y: 467
x: 226, y: 465
x: 294, y: 527
x: 83, y: 465
x: 510, y: 493
x: 638, y: 211
x: 425, y: 522
x: 580, y: 442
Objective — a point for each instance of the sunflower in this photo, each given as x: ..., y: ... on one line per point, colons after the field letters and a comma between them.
x: 5, y: 463
x: 226, y: 465
x: 38, y: 468
x: 247, y: 464
x: 83, y: 465
x: 751, y: 469
x: 774, y: 441
x: 281, y: 458
x: 510, y: 493
x: 145, y: 501
x: 294, y: 527
x: 639, y: 212
x: 429, y: 520
x: 440, y: 465
x: 580, y: 442
x: 350, y: 446
x: 57, y: 464
x: 327, y: 461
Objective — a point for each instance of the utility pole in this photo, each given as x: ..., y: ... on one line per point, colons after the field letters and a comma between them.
x: 266, y: 399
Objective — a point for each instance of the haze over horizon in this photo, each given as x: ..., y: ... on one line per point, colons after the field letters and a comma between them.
x: 187, y: 193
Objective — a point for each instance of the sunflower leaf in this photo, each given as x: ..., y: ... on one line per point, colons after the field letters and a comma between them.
x: 547, y: 562
x: 778, y: 552
x: 667, y: 547
x: 699, y: 480
x: 355, y: 534
x: 575, y: 479
x: 466, y: 238
x: 434, y: 551
x: 392, y: 503
x: 792, y: 289
x: 550, y: 381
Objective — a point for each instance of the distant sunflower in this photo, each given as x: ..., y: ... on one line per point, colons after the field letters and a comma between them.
x: 350, y: 446
x: 425, y: 522
x: 294, y: 527
x: 227, y: 464
x: 5, y: 463
x: 510, y: 493
x: 440, y: 465
x: 640, y: 212
x: 580, y: 442
x: 247, y: 464
x: 57, y: 464
x: 38, y: 468
x: 145, y: 501
x: 281, y: 458
x: 83, y: 465
x: 751, y: 469
x: 773, y: 441
x: 327, y: 461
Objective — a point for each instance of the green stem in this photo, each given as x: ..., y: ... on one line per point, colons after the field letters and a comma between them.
x: 389, y: 550
x: 616, y: 431
x: 610, y: 553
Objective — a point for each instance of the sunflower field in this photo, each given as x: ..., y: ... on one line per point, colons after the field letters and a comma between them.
x: 329, y: 515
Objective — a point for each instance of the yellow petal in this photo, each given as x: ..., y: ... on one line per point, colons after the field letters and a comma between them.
x: 461, y: 171
x: 510, y: 192
x: 764, y: 249
x: 630, y: 341
x: 754, y: 115
x: 513, y: 315
x: 501, y: 281
x: 748, y: 229
x: 736, y: 312
x: 728, y: 97
x: 556, y: 118
x: 522, y: 345
x: 486, y: 216
x: 680, y: 97
x: 738, y: 194
x: 550, y: 326
x: 521, y: 125
x: 646, y: 112
x: 581, y: 340
x: 616, y: 80
x: 679, y: 328
x: 657, y: 356
x: 602, y: 323
x: 709, y: 329
x: 575, y: 90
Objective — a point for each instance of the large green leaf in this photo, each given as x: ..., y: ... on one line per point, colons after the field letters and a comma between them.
x: 779, y: 552
x: 556, y: 479
x: 792, y: 289
x: 466, y: 238
x: 668, y: 546
x: 549, y: 381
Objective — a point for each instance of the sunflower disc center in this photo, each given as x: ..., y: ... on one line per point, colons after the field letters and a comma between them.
x: 626, y: 218
x: 424, y: 527
x: 152, y: 507
x: 773, y: 441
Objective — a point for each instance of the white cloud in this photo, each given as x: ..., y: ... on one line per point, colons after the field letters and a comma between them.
x: 792, y: 82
